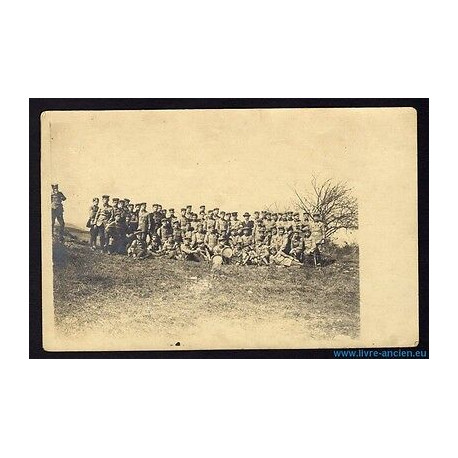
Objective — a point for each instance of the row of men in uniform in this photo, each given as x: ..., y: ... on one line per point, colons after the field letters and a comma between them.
x: 121, y: 227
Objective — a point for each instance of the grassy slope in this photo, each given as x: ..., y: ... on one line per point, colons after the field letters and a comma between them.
x: 108, y: 301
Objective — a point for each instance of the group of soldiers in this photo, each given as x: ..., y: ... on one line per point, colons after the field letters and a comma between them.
x: 263, y: 238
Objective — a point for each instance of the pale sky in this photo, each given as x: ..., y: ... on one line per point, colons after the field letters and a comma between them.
x: 234, y: 159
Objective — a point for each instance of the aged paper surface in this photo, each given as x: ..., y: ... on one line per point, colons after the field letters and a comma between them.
x: 239, y: 160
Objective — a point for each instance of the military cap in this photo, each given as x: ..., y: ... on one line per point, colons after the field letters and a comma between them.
x: 202, y: 206
x: 183, y: 209
x: 143, y: 203
x: 234, y: 213
x: 296, y: 214
x: 121, y: 200
x: 188, y: 206
x: 274, y: 214
x: 268, y: 213
x: 126, y: 201
x: 105, y: 196
x: 222, y: 212
x: 115, y: 199
x: 216, y: 209
x: 246, y: 214
x: 95, y: 198
x: 171, y: 209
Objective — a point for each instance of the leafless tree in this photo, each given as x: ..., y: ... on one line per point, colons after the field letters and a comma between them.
x: 335, y: 203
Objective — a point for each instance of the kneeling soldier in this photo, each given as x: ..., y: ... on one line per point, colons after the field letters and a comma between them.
x: 137, y: 248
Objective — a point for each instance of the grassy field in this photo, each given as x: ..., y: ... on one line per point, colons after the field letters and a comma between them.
x: 107, y: 302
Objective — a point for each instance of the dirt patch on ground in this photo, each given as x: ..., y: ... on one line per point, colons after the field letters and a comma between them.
x: 107, y: 302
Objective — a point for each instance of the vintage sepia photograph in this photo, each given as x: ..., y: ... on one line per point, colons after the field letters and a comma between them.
x: 229, y: 229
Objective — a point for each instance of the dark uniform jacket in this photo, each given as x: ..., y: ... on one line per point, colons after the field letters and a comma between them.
x: 104, y: 215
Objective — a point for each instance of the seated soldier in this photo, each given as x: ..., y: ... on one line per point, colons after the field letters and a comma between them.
x: 279, y: 240
x: 211, y: 240
x: 155, y: 246
x: 199, y: 234
x: 202, y: 251
x: 260, y: 235
x: 234, y: 238
x: 188, y: 232
x: 188, y: 253
x: 137, y: 248
x: 246, y: 238
x: 297, y: 247
x: 237, y: 253
x: 263, y: 253
x: 176, y: 232
x: 164, y: 230
x: 280, y: 258
x: 249, y: 255
x: 171, y: 248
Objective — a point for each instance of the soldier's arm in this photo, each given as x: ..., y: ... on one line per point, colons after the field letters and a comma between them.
x: 62, y: 196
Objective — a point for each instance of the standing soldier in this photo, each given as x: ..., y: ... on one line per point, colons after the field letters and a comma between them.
x: 172, y: 217
x: 183, y: 219
x: 199, y: 234
x: 176, y: 232
x: 91, y: 222
x: 155, y: 218
x: 57, y: 210
x: 247, y: 222
x: 132, y: 220
x: 222, y: 225
x: 210, y: 223
x: 317, y: 229
x: 104, y: 216
x: 143, y: 221
x: 318, y: 232
x: 274, y: 219
x: 268, y: 222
